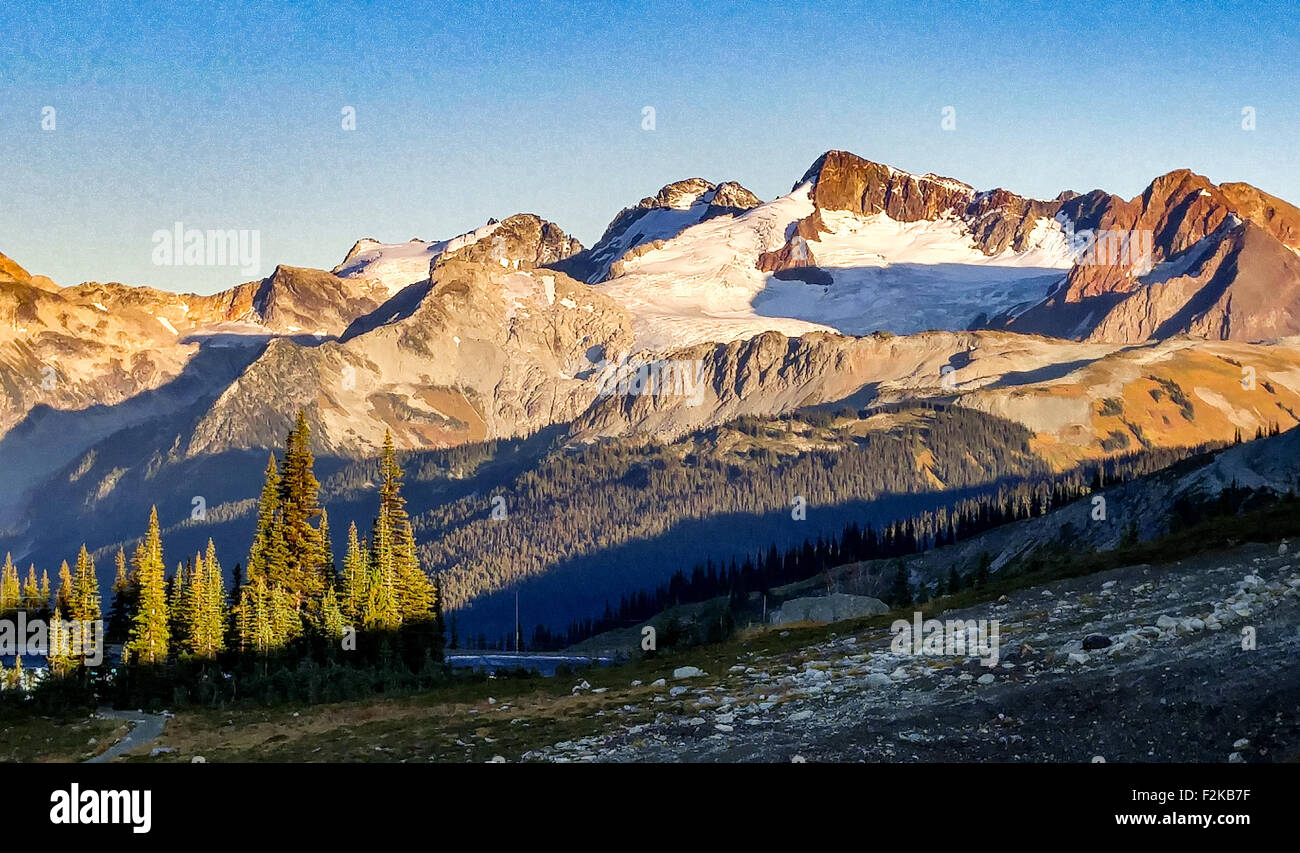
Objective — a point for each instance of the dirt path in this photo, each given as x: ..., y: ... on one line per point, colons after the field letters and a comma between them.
x: 144, y: 729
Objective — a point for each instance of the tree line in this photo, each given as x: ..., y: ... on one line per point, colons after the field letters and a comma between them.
x: 963, y: 519
x: 288, y: 602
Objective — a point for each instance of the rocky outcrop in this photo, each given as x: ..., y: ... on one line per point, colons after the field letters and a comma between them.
x: 731, y: 197
x: 11, y: 273
x: 794, y: 261
x: 295, y: 300
x: 844, y: 181
x: 522, y: 241
x: 835, y: 607
x: 997, y: 220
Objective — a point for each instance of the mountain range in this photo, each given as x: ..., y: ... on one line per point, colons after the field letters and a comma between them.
x: 865, y: 286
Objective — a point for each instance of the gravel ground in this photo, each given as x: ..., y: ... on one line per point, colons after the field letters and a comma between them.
x: 1164, y: 677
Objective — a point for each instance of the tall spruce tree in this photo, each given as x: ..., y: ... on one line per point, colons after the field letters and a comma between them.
x: 63, y: 598
x: 331, y: 623
x: 328, y: 570
x: 381, y: 611
x: 189, y: 614
x: 58, y: 651
x: 414, y: 591
x: 299, y: 506
x: 122, y: 608
x: 10, y: 591
x: 85, y: 589
x: 266, y: 558
x: 211, y: 624
x: 32, y: 592
x: 148, y: 640
x: 178, y: 606
x: 353, y: 581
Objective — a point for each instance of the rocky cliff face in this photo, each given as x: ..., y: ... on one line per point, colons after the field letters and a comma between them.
x: 844, y: 181
x: 998, y: 219
x: 1081, y: 400
x: 1217, y: 262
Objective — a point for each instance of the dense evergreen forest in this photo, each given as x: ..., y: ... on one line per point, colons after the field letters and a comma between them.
x: 583, y: 501
x: 292, y: 612
x: 621, y: 516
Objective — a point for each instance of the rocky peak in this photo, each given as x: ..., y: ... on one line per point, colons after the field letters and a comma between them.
x: 654, y: 219
x: 11, y: 272
x: 730, y: 194
x: 678, y: 195
x: 844, y: 181
x: 298, y: 300
x: 522, y: 241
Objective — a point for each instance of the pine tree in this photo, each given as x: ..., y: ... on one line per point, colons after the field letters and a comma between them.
x: 148, y: 638
x: 332, y: 623
x: 353, y: 582
x: 328, y: 570
x: 10, y: 592
x: 414, y: 591
x: 256, y: 627
x: 32, y: 592
x: 85, y: 589
x: 901, y: 593
x: 381, y: 610
x: 122, y: 608
x: 982, y: 570
x: 954, y: 581
x: 233, y: 618
x: 299, y: 506
x: 285, y: 617
x: 63, y: 598
x: 189, y: 614
x: 60, y: 661
x: 266, y: 559
x: 178, y: 607
x: 211, y: 624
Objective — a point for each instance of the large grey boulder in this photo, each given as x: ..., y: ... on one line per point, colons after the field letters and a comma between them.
x: 828, y: 608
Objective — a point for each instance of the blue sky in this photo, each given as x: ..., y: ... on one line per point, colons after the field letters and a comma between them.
x: 466, y: 111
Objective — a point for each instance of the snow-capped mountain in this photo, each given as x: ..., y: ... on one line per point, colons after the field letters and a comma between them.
x: 654, y: 219
x: 395, y: 266
x: 856, y: 247
x: 111, y: 395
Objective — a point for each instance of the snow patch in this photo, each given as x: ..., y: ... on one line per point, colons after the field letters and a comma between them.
x: 703, y: 284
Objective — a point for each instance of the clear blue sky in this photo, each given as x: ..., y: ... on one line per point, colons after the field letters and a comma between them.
x: 467, y: 111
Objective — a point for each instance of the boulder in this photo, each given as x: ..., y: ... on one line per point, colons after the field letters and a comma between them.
x: 828, y: 608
